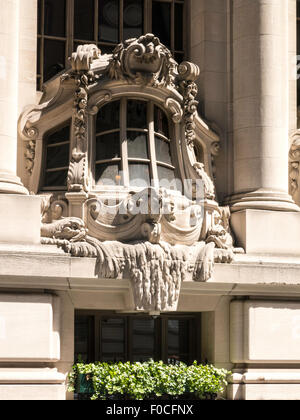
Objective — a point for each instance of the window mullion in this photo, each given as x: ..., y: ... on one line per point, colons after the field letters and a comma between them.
x: 123, y: 140
x: 70, y: 29
x: 96, y: 20
x: 172, y: 27
x: 150, y: 117
x: 121, y: 9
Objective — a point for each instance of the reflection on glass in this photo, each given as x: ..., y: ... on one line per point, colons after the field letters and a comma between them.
x: 84, y: 19
x: 136, y: 114
x: 133, y: 14
x: 55, y: 18
x: 109, y: 20
x: 139, y: 175
x: 161, y: 21
x: 54, y: 58
x: 107, y: 174
x: 163, y: 150
x: 161, y: 124
x: 166, y: 177
x: 108, y: 117
x: 108, y: 146
x: 82, y: 331
x: 137, y: 145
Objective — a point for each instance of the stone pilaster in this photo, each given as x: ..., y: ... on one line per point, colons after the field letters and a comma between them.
x: 260, y: 105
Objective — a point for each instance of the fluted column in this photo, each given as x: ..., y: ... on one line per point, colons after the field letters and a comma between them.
x: 260, y: 105
x: 9, y: 69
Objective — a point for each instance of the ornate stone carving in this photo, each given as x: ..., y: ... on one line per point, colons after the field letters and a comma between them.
x: 144, y: 61
x: 294, y: 166
x: 70, y: 228
x: 81, y: 63
x: 175, y: 108
x: 188, y: 73
x: 208, y: 185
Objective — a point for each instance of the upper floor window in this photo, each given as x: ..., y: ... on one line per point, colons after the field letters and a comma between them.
x: 132, y: 144
x: 65, y: 24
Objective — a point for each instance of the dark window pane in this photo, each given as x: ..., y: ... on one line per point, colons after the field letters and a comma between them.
x: 166, y: 175
x: 56, y: 178
x: 57, y: 156
x: 106, y: 49
x: 59, y: 136
x: 178, y: 33
x: 108, y: 117
x: 137, y: 145
x: 113, y: 338
x: 161, y: 124
x: 109, y: 20
x: 38, y: 56
x: 143, y: 339
x: 139, y: 174
x: 162, y: 149
x: 84, y: 19
x: 161, y: 22
x: 178, y: 340
x: 136, y: 114
x: 108, y: 146
x: 133, y: 19
x: 39, y: 16
x: 55, y: 17
x: 82, y: 337
x: 107, y: 174
x: 179, y: 57
x: 54, y: 58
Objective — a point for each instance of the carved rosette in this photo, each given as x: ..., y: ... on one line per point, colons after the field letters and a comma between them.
x: 144, y: 61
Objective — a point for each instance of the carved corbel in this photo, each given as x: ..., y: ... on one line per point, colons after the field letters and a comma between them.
x: 175, y: 108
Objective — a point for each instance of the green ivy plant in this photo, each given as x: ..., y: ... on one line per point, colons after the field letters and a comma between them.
x: 149, y: 380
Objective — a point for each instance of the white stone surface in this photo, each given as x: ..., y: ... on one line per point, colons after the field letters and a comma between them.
x: 29, y: 328
x: 20, y: 219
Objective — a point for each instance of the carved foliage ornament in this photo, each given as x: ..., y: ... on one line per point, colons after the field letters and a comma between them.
x: 143, y: 61
x: 294, y: 170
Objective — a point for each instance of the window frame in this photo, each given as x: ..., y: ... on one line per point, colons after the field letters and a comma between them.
x: 124, y: 160
x: 71, y: 41
x: 160, y: 329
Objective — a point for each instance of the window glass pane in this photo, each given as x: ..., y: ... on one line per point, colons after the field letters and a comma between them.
x: 166, y: 175
x: 108, y: 117
x: 108, y: 146
x: 161, y: 22
x: 106, y: 49
x: 84, y: 19
x: 178, y: 24
x: 59, y: 136
x: 143, y: 339
x: 178, y: 340
x: 163, y: 151
x: 56, y: 178
x: 38, y: 56
x: 133, y: 19
x: 39, y: 17
x: 57, y: 156
x: 55, y: 17
x: 107, y: 174
x: 113, y: 338
x: 179, y: 57
x: 54, y: 58
x: 161, y: 124
x: 136, y: 114
x: 109, y: 20
x: 82, y: 337
x: 139, y: 174
x: 137, y: 145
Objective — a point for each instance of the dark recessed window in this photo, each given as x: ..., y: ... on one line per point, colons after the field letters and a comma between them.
x: 65, y: 24
x: 137, y: 338
x: 57, y: 156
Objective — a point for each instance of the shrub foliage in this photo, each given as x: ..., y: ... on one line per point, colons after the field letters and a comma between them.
x: 150, y: 380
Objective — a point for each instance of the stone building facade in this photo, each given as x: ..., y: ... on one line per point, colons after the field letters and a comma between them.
x: 99, y: 255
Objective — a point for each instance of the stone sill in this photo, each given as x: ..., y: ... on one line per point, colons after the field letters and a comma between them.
x: 31, y: 376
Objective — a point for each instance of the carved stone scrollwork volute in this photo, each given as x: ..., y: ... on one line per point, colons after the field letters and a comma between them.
x: 81, y: 62
x: 188, y: 74
x: 144, y: 61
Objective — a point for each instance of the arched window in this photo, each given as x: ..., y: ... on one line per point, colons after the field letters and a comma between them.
x: 56, y: 159
x: 132, y: 145
x: 65, y: 24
